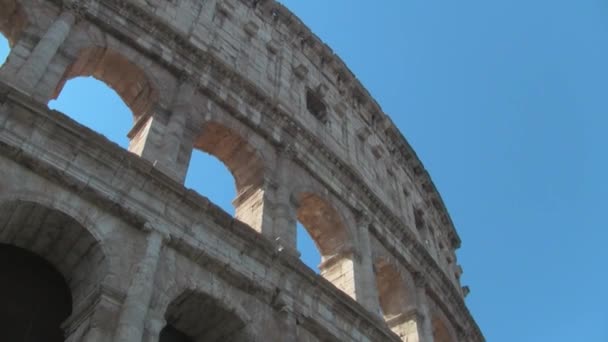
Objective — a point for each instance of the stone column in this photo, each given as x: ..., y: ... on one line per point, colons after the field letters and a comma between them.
x: 285, y: 221
x: 18, y: 54
x: 147, y: 133
x: 365, y: 279
x: 154, y: 326
x: 160, y: 135
x: 425, y: 324
x: 173, y: 140
x: 135, y: 307
x: 94, y: 319
x: 33, y: 69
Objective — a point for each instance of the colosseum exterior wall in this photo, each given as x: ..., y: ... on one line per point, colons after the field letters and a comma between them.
x: 245, y: 81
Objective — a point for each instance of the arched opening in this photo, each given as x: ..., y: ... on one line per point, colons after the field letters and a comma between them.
x: 95, y: 105
x: 35, y: 298
x: 440, y: 331
x: 244, y: 164
x: 309, y: 252
x: 204, y: 167
x: 327, y: 230
x: 397, y: 300
x: 110, y: 86
x: 32, y: 232
x: 197, y: 317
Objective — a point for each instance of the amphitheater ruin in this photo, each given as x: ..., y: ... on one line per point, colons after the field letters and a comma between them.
x: 99, y: 243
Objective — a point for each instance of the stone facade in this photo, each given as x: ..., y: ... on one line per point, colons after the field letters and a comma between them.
x: 144, y: 258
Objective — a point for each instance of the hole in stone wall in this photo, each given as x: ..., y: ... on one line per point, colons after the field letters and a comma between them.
x: 97, y: 106
x: 315, y: 105
x: 309, y: 252
x: 4, y: 49
x: 211, y: 178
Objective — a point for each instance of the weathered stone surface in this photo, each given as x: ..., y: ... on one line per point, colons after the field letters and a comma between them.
x: 247, y: 82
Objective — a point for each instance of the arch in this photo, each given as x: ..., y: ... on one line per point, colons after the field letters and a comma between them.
x: 235, y: 152
x: 243, y: 162
x: 92, y: 103
x: 442, y: 327
x: 35, y: 297
x: 328, y: 231
x: 441, y: 332
x: 121, y: 74
x: 61, y: 240
x: 13, y: 20
x: 324, y: 224
x: 202, y: 168
x: 397, y: 297
x: 395, y: 289
x: 195, y: 316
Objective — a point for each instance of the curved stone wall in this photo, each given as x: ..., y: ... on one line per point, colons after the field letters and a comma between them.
x: 247, y: 82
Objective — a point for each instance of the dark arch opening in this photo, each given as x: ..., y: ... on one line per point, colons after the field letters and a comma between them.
x: 60, y: 240
x: 171, y: 334
x: 35, y: 297
x: 197, y: 317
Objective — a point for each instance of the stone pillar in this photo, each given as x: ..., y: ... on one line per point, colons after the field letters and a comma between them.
x: 425, y: 324
x: 253, y: 207
x: 33, y: 69
x: 135, y: 307
x: 95, y: 318
x: 17, y: 56
x: 172, y: 143
x: 284, y: 225
x: 154, y: 326
x: 147, y: 133
x: 366, y: 290
x: 161, y: 136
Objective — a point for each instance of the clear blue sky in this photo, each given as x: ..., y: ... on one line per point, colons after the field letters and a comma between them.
x: 506, y: 103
